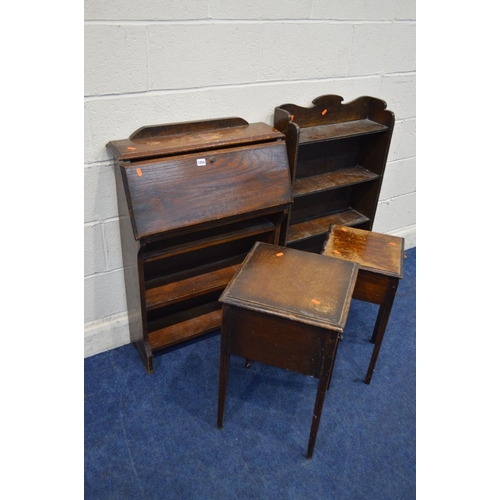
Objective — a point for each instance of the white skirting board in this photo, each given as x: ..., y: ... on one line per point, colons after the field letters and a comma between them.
x: 106, y: 334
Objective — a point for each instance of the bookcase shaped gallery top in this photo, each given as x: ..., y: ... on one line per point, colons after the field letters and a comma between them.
x: 337, y: 154
x: 193, y: 199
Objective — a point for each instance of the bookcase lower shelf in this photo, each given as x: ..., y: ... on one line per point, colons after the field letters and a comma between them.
x: 317, y: 228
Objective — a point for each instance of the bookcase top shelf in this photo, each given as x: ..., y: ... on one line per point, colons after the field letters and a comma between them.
x: 330, y: 118
x: 339, y: 131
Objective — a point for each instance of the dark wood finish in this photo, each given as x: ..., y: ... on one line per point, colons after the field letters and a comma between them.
x: 188, y: 137
x: 337, y: 154
x: 193, y: 199
x: 380, y: 258
x: 176, y: 193
x: 286, y: 308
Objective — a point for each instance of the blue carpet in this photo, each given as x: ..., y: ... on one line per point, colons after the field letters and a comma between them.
x: 155, y: 436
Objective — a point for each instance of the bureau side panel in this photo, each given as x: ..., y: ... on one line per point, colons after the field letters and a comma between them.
x: 133, y: 274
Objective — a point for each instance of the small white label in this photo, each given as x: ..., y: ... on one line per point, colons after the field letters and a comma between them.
x: 201, y: 162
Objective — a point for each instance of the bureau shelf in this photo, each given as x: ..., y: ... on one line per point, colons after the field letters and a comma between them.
x: 207, y: 238
x: 185, y: 325
x: 199, y: 281
x: 337, y: 155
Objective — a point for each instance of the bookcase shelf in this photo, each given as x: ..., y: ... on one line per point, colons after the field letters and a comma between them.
x: 316, y: 227
x: 332, y: 180
x: 340, y: 131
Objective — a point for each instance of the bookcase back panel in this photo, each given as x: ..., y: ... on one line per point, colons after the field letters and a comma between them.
x: 315, y: 159
x: 373, y: 152
x: 328, y: 202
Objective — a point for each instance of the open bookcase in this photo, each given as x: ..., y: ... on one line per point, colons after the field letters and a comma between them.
x: 337, y: 154
x: 193, y: 199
